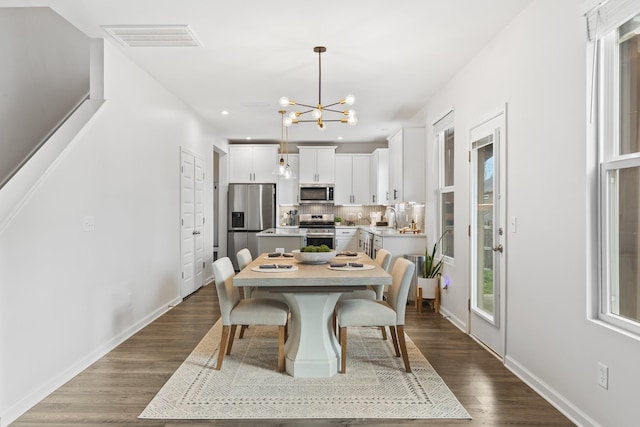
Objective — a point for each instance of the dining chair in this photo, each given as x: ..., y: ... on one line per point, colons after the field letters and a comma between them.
x: 373, y: 292
x: 366, y: 312
x: 244, y: 258
x: 249, y: 311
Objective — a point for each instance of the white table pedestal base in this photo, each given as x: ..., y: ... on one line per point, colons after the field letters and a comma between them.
x: 312, y: 349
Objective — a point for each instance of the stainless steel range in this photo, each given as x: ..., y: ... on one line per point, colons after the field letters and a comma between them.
x: 321, y: 229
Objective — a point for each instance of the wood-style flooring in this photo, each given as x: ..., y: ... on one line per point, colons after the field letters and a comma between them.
x: 115, y: 390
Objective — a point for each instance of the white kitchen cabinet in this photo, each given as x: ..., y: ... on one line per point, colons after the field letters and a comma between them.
x: 407, y: 164
x: 346, y: 239
x: 352, y: 179
x: 317, y: 165
x: 379, y: 174
x: 288, y: 188
x: 253, y: 163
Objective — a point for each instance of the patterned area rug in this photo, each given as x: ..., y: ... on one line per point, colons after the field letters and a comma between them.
x: 248, y: 386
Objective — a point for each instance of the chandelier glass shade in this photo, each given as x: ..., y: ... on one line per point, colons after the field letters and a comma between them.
x: 283, y: 169
x: 319, y: 112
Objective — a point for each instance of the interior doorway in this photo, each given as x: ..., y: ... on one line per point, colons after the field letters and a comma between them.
x: 191, y: 222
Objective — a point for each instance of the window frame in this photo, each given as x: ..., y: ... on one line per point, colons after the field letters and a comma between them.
x: 445, y: 189
x: 606, y: 110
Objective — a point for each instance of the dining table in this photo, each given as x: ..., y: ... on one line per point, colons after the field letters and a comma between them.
x: 311, y: 291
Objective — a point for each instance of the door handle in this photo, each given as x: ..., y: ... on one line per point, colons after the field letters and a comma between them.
x: 498, y: 248
x: 195, y: 232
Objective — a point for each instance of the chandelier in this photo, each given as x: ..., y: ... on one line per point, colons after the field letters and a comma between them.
x: 283, y: 169
x: 318, y: 112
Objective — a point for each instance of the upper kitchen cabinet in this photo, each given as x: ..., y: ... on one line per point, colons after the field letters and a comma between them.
x: 252, y: 163
x: 407, y: 165
x: 352, y: 179
x: 317, y: 165
x: 288, y: 188
x: 379, y: 173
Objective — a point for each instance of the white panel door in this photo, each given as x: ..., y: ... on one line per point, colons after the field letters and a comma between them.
x: 488, y: 233
x: 361, y: 181
x: 191, y: 223
x: 343, y: 179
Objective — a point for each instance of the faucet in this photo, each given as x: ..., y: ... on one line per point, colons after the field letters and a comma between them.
x: 395, y: 217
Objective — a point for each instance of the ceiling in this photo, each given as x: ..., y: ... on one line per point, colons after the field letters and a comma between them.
x: 390, y: 55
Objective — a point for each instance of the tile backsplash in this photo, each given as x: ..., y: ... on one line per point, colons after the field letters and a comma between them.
x: 361, y: 214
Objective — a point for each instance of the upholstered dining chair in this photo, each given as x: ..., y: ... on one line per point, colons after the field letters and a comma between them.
x: 373, y: 292
x: 366, y: 312
x: 249, y: 311
x: 244, y: 258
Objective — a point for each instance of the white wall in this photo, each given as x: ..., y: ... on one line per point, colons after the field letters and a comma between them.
x: 538, y: 66
x: 69, y: 296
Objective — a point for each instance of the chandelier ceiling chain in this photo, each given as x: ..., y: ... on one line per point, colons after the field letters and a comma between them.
x: 318, y: 111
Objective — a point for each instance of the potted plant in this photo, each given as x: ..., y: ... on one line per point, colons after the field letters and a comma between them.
x: 427, y: 287
x: 337, y: 220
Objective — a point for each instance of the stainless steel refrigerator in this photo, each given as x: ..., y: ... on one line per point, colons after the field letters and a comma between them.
x: 251, y: 209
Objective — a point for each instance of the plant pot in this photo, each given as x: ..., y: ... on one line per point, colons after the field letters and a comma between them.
x: 428, y: 288
x: 338, y: 223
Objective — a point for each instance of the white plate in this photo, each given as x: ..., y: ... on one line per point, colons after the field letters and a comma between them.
x: 275, y: 270
x: 346, y: 268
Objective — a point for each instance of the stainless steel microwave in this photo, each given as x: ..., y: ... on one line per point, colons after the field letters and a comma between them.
x: 316, y: 193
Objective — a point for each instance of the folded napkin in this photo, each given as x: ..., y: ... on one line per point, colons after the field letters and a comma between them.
x: 355, y: 264
x: 338, y: 264
x: 284, y: 265
x: 347, y: 254
x: 274, y: 255
x: 268, y: 266
x: 287, y: 255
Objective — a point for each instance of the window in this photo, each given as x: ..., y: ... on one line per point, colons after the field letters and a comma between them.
x: 616, y: 99
x: 444, y: 132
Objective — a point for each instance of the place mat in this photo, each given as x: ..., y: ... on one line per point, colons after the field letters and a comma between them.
x: 249, y: 387
x: 275, y: 270
x: 349, y: 268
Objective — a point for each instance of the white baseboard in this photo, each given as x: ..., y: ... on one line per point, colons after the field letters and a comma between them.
x: 453, y: 319
x: 19, y: 408
x: 558, y: 401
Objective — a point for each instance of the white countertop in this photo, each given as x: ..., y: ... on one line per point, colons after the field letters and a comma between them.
x: 378, y: 231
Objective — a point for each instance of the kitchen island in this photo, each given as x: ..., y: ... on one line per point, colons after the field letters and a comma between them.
x: 286, y: 239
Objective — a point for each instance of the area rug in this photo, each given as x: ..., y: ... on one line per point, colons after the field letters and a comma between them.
x: 248, y: 386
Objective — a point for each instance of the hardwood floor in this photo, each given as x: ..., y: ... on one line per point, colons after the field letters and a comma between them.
x: 115, y: 390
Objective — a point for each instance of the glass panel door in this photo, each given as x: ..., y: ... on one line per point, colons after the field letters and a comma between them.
x: 488, y: 213
x: 484, y: 298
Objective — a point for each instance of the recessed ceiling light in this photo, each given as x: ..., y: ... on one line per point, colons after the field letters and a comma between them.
x: 248, y: 138
x: 224, y: 112
x: 339, y: 138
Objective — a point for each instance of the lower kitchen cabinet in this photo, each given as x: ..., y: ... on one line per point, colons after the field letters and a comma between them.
x: 346, y: 239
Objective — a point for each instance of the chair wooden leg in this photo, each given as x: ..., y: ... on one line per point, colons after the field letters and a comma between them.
x: 281, y: 336
x: 231, y: 337
x: 242, y: 329
x: 394, y: 337
x: 343, y: 350
x: 436, y: 304
x: 223, y: 346
x: 383, y: 330
x: 403, y: 347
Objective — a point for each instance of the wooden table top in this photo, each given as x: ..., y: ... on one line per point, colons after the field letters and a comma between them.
x: 311, y: 275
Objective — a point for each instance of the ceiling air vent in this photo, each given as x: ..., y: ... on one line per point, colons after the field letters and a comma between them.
x: 153, y: 35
